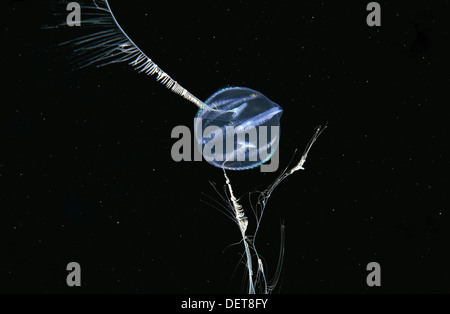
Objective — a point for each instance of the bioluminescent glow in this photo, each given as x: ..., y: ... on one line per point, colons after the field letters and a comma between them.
x: 237, y: 107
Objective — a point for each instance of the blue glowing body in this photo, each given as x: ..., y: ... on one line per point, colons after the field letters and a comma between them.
x: 241, y: 129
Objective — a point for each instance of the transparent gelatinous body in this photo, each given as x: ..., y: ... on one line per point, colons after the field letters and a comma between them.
x: 239, y: 130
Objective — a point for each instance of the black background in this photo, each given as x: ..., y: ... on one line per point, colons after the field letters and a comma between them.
x: 86, y: 173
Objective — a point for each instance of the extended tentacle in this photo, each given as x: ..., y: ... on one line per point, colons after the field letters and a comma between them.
x: 113, y: 45
x: 258, y: 278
